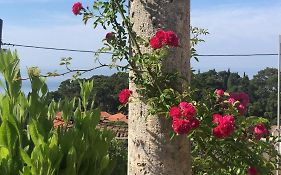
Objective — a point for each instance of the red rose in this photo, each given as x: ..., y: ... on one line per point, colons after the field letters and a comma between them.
x: 183, y: 105
x: 171, y: 39
x: 124, y: 96
x: 155, y: 43
x: 225, y: 126
x: 76, y: 8
x: 175, y: 112
x: 223, y: 131
x: 260, y: 130
x: 217, y: 118
x: 162, y: 38
x: 194, y: 123
x: 183, y: 118
x: 219, y: 92
x: 252, y: 171
x: 109, y: 36
x: 217, y: 133
x: 188, y: 110
x: 181, y: 126
x: 161, y: 35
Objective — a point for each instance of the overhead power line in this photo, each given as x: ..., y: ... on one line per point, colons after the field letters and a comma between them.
x: 89, y: 51
x: 53, y: 48
x: 239, y: 55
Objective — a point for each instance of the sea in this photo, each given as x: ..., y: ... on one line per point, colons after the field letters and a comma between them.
x: 52, y: 85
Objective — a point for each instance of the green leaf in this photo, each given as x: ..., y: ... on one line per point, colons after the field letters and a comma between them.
x: 8, y: 136
x: 26, y: 171
x: 71, y: 162
x: 36, y: 137
x: 25, y: 157
x: 104, y: 162
x: 4, y: 153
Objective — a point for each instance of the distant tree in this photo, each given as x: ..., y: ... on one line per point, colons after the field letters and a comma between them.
x: 69, y: 89
x: 54, y: 95
x: 224, y: 76
x: 105, y: 91
x: 233, y: 82
x: 207, y: 80
x: 244, y: 84
x: 264, y: 100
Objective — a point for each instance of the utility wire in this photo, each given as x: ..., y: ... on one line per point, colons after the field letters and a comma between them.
x: 89, y: 51
x: 239, y: 55
x: 53, y: 48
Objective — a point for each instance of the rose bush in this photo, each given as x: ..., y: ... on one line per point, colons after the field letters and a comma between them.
x: 224, y: 141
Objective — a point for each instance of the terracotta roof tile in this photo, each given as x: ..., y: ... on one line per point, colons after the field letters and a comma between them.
x: 118, y: 117
x: 121, y: 131
x: 104, y: 114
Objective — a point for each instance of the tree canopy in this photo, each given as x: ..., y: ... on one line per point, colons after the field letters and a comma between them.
x: 105, y: 91
x: 262, y: 89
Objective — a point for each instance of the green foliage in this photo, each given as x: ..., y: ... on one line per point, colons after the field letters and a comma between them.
x: 195, y: 39
x: 119, y: 152
x: 262, y: 89
x: 104, y: 93
x: 235, y: 154
x: 104, y: 13
x: 264, y: 98
x: 29, y: 144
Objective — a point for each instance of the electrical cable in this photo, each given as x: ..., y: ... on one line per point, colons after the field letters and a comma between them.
x: 95, y: 52
x: 53, y: 48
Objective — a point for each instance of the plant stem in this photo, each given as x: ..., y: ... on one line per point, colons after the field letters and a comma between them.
x: 135, y: 43
x: 128, y: 28
x: 203, y: 148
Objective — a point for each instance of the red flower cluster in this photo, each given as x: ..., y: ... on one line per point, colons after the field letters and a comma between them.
x: 260, y: 130
x: 252, y: 171
x: 183, y: 118
x: 219, y: 92
x: 162, y: 38
x: 124, y: 96
x: 225, y: 125
x: 76, y: 8
x: 243, y: 100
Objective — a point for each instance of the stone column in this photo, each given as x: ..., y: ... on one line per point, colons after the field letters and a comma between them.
x: 150, y: 151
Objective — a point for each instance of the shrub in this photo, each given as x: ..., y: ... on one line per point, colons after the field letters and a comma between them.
x: 29, y: 142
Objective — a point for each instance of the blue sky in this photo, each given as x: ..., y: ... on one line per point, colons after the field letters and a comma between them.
x: 238, y: 27
x: 241, y: 26
x: 200, y: 4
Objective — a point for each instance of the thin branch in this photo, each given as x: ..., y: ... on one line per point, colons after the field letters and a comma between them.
x: 67, y: 72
